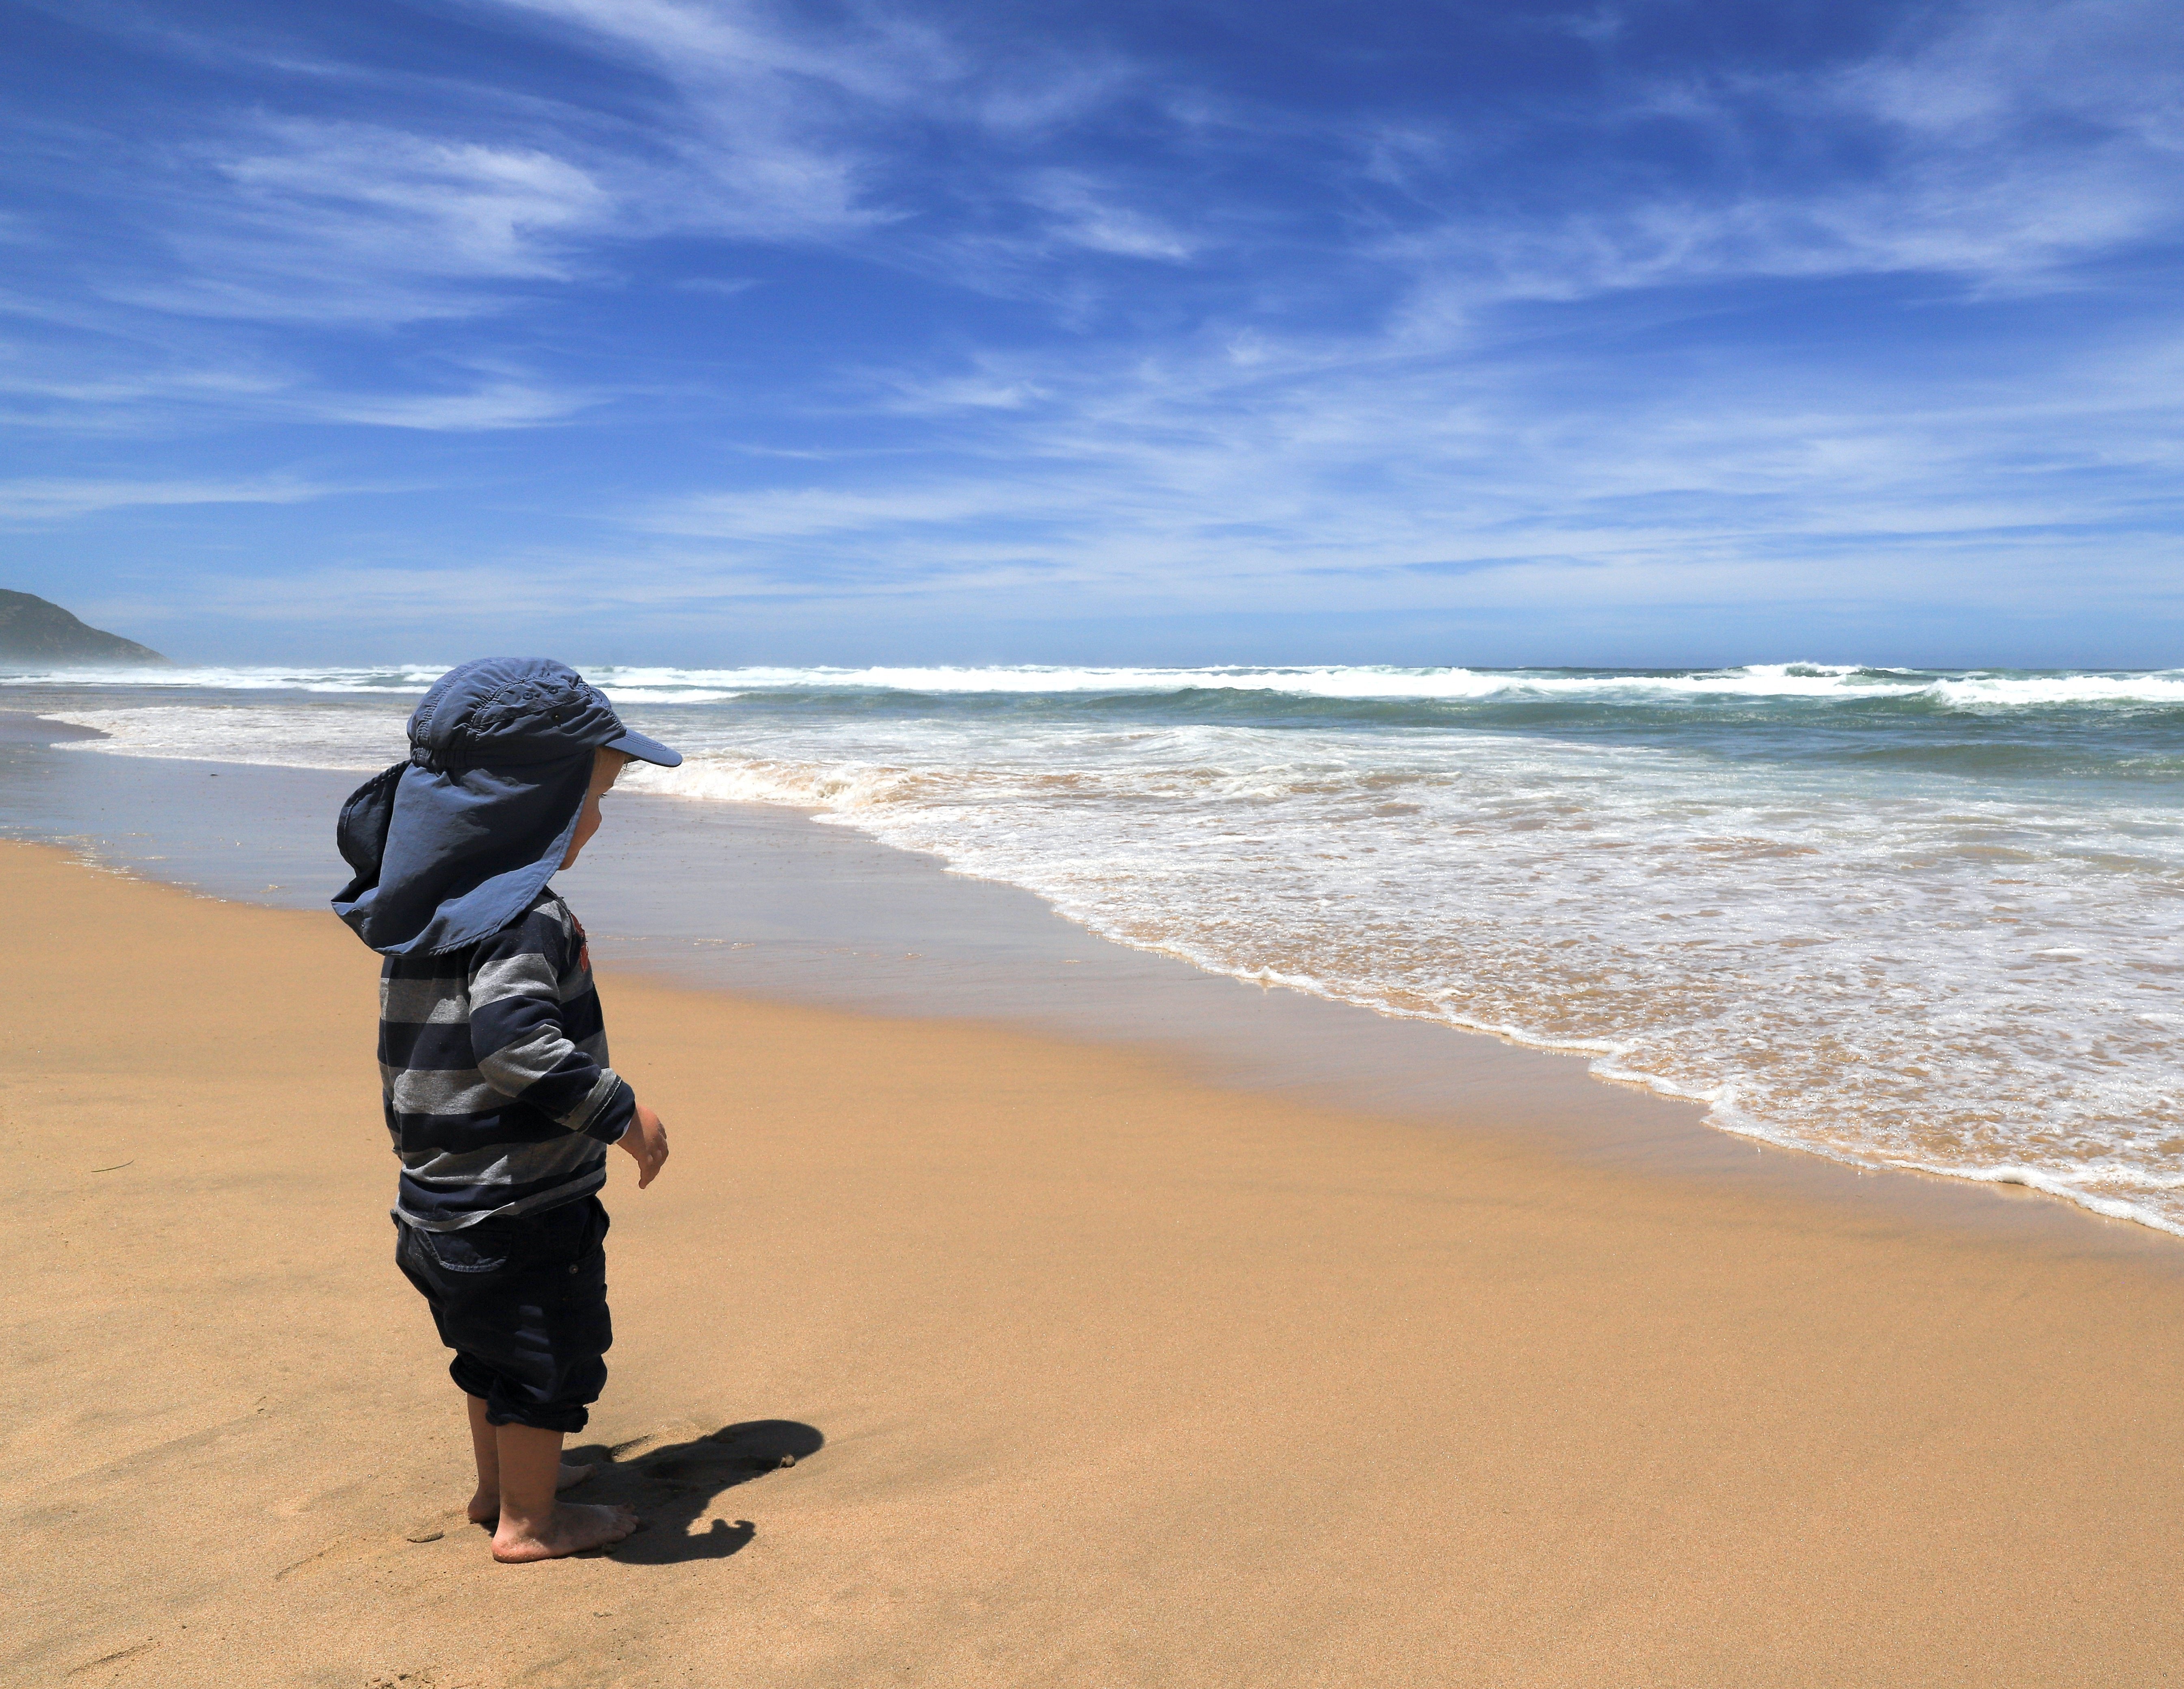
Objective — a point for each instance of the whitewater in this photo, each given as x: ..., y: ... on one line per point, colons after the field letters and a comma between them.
x: 1909, y: 918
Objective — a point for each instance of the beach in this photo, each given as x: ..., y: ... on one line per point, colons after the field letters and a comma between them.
x: 1898, y: 918
x: 1092, y: 1370
x: 1387, y: 803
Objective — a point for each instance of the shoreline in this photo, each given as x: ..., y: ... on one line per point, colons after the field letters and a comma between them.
x: 764, y: 901
x: 1095, y: 1373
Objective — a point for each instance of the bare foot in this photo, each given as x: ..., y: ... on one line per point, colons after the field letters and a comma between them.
x: 485, y: 1505
x: 573, y: 1528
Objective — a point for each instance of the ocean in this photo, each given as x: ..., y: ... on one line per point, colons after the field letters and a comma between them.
x: 1905, y: 918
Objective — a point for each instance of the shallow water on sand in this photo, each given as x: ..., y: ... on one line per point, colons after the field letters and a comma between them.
x: 1923, y: 920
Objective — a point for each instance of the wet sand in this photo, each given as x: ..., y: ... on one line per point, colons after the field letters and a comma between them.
x: 1094, y: 1372
x: 764, y: 901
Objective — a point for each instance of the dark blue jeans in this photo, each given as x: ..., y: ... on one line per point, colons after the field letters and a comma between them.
x: 523, y: 1303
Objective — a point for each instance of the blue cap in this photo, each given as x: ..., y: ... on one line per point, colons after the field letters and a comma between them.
x: 504, y: 712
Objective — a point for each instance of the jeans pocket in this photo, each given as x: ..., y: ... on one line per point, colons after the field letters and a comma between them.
x: 480, y: 1249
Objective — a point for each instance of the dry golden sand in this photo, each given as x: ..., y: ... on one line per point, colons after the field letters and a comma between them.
x: 1121, y: 1380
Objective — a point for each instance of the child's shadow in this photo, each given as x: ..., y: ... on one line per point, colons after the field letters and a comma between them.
x: 672, y: 1486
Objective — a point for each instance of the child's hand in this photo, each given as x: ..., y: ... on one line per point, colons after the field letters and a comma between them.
x: 646, y: 1140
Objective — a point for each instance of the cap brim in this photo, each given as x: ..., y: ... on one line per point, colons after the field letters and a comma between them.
x: 646, y: 750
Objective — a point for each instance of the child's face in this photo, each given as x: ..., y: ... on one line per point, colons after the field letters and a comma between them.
x: 605, y: 765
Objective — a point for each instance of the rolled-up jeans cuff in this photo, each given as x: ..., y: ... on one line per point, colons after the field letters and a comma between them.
x: 502, y: 1407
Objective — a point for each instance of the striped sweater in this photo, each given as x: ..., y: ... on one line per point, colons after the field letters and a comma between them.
x: 493, y: 1061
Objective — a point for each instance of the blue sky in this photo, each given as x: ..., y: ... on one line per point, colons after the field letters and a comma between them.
x: 688, y: 330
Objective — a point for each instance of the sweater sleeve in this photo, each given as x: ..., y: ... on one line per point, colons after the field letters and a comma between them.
x: 519, y: 1031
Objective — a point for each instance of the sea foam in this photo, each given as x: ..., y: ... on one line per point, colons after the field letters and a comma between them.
x: 1910, y: 918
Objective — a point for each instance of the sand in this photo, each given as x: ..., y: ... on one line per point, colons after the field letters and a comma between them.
x: 1092, y: 1374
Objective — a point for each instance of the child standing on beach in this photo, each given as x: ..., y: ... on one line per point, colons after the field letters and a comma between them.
x: 493, y: 1059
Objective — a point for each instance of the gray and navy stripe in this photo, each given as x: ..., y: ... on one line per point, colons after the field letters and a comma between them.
x: 493, y: 1060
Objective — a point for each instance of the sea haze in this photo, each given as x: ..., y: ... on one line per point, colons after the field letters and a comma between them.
x: 1919, y: 918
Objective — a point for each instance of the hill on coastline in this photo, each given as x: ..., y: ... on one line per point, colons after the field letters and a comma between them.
x: 34, y: 631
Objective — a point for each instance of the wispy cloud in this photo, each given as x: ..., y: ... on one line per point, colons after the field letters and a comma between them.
x: 888, y: 302
x: 496, y: 405
x: 2019, y: 142
x: 128, y: 381
x: 48, y: 499
x: 1356, y: 472
x: 1080, y: 212
x: 770, y: 132
x: 348, y: 222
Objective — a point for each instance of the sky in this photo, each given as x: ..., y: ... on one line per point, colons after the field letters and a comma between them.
x: 694, y: 332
